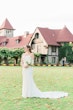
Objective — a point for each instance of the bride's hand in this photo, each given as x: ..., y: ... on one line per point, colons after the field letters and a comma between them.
x: 26, y: 66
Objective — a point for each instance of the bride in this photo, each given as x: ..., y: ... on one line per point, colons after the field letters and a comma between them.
x: 29, y: 88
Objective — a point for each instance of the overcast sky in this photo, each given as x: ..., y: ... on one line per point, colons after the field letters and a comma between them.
x: 26, y: 15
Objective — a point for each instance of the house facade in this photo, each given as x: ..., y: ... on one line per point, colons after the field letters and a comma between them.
x: 48, y: 52
x: 44, y: 41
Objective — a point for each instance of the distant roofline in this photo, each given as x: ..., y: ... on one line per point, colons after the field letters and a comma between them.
x: 6, y: 25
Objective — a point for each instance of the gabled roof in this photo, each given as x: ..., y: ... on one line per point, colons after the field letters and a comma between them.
x: 49, y: 35
x: 56, y: 36
x: 6, y: 25
x: 65, y: 35
x: 12, y: 41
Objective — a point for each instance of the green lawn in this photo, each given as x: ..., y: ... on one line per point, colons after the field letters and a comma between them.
x: 46, y: 78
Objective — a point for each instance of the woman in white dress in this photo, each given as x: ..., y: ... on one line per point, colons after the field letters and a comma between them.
x: 29, y: 88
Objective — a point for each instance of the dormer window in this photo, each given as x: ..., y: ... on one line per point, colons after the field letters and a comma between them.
x: 4, y: 43
x: 18, y: 41
x: 37, y: 35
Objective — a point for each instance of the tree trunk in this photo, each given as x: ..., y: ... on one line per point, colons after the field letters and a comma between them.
x: 16, y: 60
x: 6, y: 61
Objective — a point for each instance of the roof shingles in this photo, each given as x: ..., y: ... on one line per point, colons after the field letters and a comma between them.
x: 56, y: 36
x: 6, y: 25
x: 12, y: 43
x: 65, y: 36
x: 49, y: 36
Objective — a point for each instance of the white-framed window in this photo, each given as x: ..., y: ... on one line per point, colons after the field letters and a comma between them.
x: 54, y: 49
x: 53, y: 59
x: 8, y: 31
x: 4, y: 43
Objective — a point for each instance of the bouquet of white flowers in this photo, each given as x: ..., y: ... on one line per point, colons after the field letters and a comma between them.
x: 29, y: 61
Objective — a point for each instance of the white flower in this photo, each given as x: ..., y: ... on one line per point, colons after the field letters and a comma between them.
x: 29, y: 61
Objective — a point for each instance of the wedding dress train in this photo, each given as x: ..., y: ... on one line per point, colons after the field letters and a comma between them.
x: 29, y: 88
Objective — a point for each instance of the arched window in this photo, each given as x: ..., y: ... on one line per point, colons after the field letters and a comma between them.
x: 37, y: 35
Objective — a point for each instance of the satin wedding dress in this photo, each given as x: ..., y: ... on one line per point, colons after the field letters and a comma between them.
x: 29, y: 88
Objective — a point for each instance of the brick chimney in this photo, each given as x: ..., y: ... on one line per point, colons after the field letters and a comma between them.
x: 26, y: 33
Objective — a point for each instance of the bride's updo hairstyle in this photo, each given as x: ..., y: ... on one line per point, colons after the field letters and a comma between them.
x: 29, y: 47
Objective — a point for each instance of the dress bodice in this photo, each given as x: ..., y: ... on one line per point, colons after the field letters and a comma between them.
x: 28, y: 59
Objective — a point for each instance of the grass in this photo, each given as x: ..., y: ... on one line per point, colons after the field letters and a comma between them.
x: 46, y: 78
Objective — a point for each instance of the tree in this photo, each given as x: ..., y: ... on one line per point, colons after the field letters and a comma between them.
x: 4, y: 54
x: 66, y: 51
x: 16, y: 54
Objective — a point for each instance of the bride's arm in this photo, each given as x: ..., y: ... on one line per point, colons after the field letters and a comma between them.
x: 22, y: 62
x: 32, y: 56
